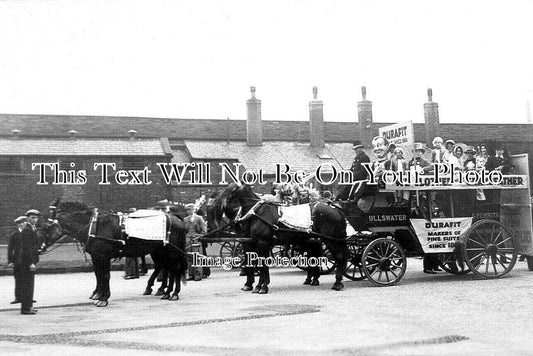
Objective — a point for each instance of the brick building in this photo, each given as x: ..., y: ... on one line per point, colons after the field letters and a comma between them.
x: 254, y: 143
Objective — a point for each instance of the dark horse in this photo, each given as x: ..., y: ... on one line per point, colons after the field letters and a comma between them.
x: 329, y: 227
x: 107, y: 242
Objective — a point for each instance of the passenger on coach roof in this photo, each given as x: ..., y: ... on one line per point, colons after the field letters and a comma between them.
x: 448, y: 152
x: 481, y: 157
x: 437, y: 154
x: 469, y: 163
x: 418, y: 162
x: 500, y: 161
x: 457, y: 158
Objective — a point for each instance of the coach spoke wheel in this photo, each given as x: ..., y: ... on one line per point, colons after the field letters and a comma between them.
x: 449, y: 263
x: 489, y: 249
x: 231, y: 249
x: 384, y: 262
x: 354, y: 268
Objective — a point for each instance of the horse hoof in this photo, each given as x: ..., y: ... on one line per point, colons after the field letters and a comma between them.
x: 263, y: 290
x: 338, y: 286
x: 102, y: 303
x: 92, y: 295
x: 256, y: 289
x: 246, y: 288
x: 307, y: 282
x: 315, y: 282
x: 96, y: 301
x: 242, y: 273
x: 165, y: 296
x: 147, y: 291
x: 159, y: 293
x: 174, y: 297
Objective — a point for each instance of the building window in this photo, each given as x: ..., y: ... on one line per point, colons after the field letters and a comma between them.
x: 10, y: 165
x: 133, y: 163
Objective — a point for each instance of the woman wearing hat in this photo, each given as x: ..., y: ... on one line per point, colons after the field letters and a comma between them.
x: 469, y: 163
x: 437, y: 153
x: 457, y: 159
x: 481, y: 157
x: 448, y: 152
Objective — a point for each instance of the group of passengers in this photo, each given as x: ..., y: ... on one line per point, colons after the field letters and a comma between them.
x: 470, y: 158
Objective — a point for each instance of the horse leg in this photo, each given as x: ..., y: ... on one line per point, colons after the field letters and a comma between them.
x: 151, y: 280
x: 177, y: 289
x: 105, y: 263
x: 263, y: 249
x: 95, y: 295
x: 315, y: 251
x: 206, y: 271
x: 248, y: 269
x: 339, y: 251
x: 161, y: 289
x: 170, y: 286
x: 144, y: 266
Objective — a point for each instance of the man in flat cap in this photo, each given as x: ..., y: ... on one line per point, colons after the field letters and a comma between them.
x: 13, y: 241
x: 354, y: 191
x: 26, y: 256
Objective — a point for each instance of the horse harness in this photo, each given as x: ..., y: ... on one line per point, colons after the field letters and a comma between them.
x: 253, y: 213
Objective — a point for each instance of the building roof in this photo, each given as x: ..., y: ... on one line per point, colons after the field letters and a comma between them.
x: 83, y: 147
x: 299, y: 156
x: 201, y: 129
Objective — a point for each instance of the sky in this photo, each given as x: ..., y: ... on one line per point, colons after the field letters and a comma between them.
x: 198, y: 59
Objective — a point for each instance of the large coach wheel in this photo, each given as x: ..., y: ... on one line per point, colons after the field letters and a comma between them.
x: 354, y: 268
x: 232, y: 249
x: 384, y: 262
x: 489, y: 249
x: 449, y: 263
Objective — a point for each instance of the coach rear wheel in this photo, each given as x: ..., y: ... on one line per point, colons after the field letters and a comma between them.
x: 489, y: 249
x: 354, y: 268
x: 449, y: 263
x: 384, y: 262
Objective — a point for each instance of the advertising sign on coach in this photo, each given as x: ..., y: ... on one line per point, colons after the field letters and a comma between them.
x: 440, y: 235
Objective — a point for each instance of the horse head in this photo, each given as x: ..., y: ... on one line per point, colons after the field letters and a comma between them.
x: 230, y: 200
x: 66, y: 218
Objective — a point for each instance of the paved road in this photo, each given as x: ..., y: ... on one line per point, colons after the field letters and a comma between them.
x: 423, y: 315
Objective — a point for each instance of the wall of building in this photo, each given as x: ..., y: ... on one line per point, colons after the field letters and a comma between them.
x: 20, y: 191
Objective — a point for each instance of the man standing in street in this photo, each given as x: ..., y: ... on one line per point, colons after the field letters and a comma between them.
x: 13, y: 241
x: 25, y: 258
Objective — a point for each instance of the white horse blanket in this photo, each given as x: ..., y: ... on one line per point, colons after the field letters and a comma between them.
x: 296, y: 216
x: 147, y: 225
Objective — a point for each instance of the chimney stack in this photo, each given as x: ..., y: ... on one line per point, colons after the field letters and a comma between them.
x: 316, y: 121
x: 431, y: 118
x: 254, y: 128
x: 15, y: 133
x: 364, y: 112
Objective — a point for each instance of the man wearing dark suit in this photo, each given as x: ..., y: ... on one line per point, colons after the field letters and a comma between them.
x: 13, y: 241
x: 359, y: 172
x: 500, y: 161
x: 25, y: 258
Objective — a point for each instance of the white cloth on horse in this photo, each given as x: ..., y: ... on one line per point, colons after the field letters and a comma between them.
x: 147, y: 225
x: 296, y: 216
